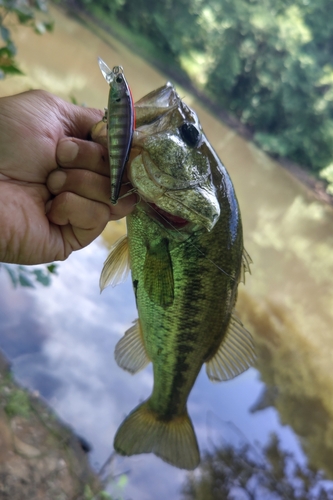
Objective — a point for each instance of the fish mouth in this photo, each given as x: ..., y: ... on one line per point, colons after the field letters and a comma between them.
x: 168, y: 219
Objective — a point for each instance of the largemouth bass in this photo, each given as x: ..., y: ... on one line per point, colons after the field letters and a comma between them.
x: 184, y: 247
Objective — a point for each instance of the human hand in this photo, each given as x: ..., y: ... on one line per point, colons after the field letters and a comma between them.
x: 46, y: 212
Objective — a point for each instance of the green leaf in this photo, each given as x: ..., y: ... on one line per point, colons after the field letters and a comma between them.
x: 42, y: 277
x: 73, y: 100
x: 24, y: 280
x: 5, y: 33
x: 10, y: 69
x: 11, y: 274
x: 52, y: 268
x: 22, y: 275
x: 5, y: 52
x: 24, y: 14
x: 49, y: 26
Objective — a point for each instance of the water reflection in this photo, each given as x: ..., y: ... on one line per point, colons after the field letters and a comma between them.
x: 253, y: 472
x: 298, y: 384
x: 73, y: 330
x: 61, y: 339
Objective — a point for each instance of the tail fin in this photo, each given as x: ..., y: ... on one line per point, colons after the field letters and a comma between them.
x: 174, y: 440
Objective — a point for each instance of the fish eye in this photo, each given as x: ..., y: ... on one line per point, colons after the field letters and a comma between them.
x: 190, y: 134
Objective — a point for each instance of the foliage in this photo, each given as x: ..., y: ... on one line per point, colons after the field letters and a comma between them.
x: 172, y: 25
x: 18, y: 404
x: 245, y: 473
x: 268, y: 69
x: 104, y: 495
x: 327, y: 174
x: 26, y: 276
x: 266, y: 61
x: 23, y: 12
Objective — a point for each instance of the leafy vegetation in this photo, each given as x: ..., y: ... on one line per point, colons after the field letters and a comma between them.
x: 266, y: 61
x: 251, y: 473
x: 18, y: 404
x: 27, y: 276
x: 27, y: 12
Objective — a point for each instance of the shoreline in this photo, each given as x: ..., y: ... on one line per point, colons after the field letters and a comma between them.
x: 315, y: 185
x: 40, y: 456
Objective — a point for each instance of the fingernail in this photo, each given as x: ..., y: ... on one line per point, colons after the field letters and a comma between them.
x: 56, y: 181
x: 67, y: 151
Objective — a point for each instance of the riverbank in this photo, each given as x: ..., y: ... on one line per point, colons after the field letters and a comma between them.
x: 40, y: 458
x: 98, y: 25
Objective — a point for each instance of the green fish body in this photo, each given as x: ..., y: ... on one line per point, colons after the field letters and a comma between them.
x: 184, y: 247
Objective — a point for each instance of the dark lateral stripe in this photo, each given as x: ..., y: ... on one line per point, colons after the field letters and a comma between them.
x: 118, y: 140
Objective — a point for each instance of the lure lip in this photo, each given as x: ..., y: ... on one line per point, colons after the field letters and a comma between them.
x: 106, y: 71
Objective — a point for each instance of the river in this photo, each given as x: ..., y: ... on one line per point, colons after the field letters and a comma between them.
x: 61, y: 339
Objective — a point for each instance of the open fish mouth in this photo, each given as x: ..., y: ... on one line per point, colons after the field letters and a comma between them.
x: 168, y: 219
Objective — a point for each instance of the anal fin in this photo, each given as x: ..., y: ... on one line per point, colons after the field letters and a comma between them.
x: 235, y: 354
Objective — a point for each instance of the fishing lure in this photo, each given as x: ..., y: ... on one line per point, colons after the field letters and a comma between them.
x: 120, y: 120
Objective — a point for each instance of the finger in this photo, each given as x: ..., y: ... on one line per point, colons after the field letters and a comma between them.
x: 70, y: 208
x: 81, y: 220
x: 84, y: 183
x: 92, y: 186
x: 76, y: 153
x: 124, y: 206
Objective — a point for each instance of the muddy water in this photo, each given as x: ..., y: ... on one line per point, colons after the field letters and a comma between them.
x: 61, y: 342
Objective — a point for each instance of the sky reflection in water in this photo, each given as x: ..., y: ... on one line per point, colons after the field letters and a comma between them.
x: 61, y: 341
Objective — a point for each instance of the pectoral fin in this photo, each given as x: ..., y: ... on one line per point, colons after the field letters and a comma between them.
x: 158, y: 274
x: 235, y: 354
x: 116, y: 267
x: 130, y: 352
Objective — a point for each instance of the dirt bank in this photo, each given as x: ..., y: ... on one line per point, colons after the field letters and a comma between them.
x: 40, y: 458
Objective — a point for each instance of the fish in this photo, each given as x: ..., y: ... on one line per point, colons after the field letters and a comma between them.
x: 120, y: 120
x: 184, y: 248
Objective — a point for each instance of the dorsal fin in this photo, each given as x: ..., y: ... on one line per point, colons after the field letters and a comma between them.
x: 116, y: 267
x: 245, y: 266
x: 235, y: 354
x: 130, y: 352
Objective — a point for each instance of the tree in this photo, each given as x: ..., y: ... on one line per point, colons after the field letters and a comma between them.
x: 24, y: 11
